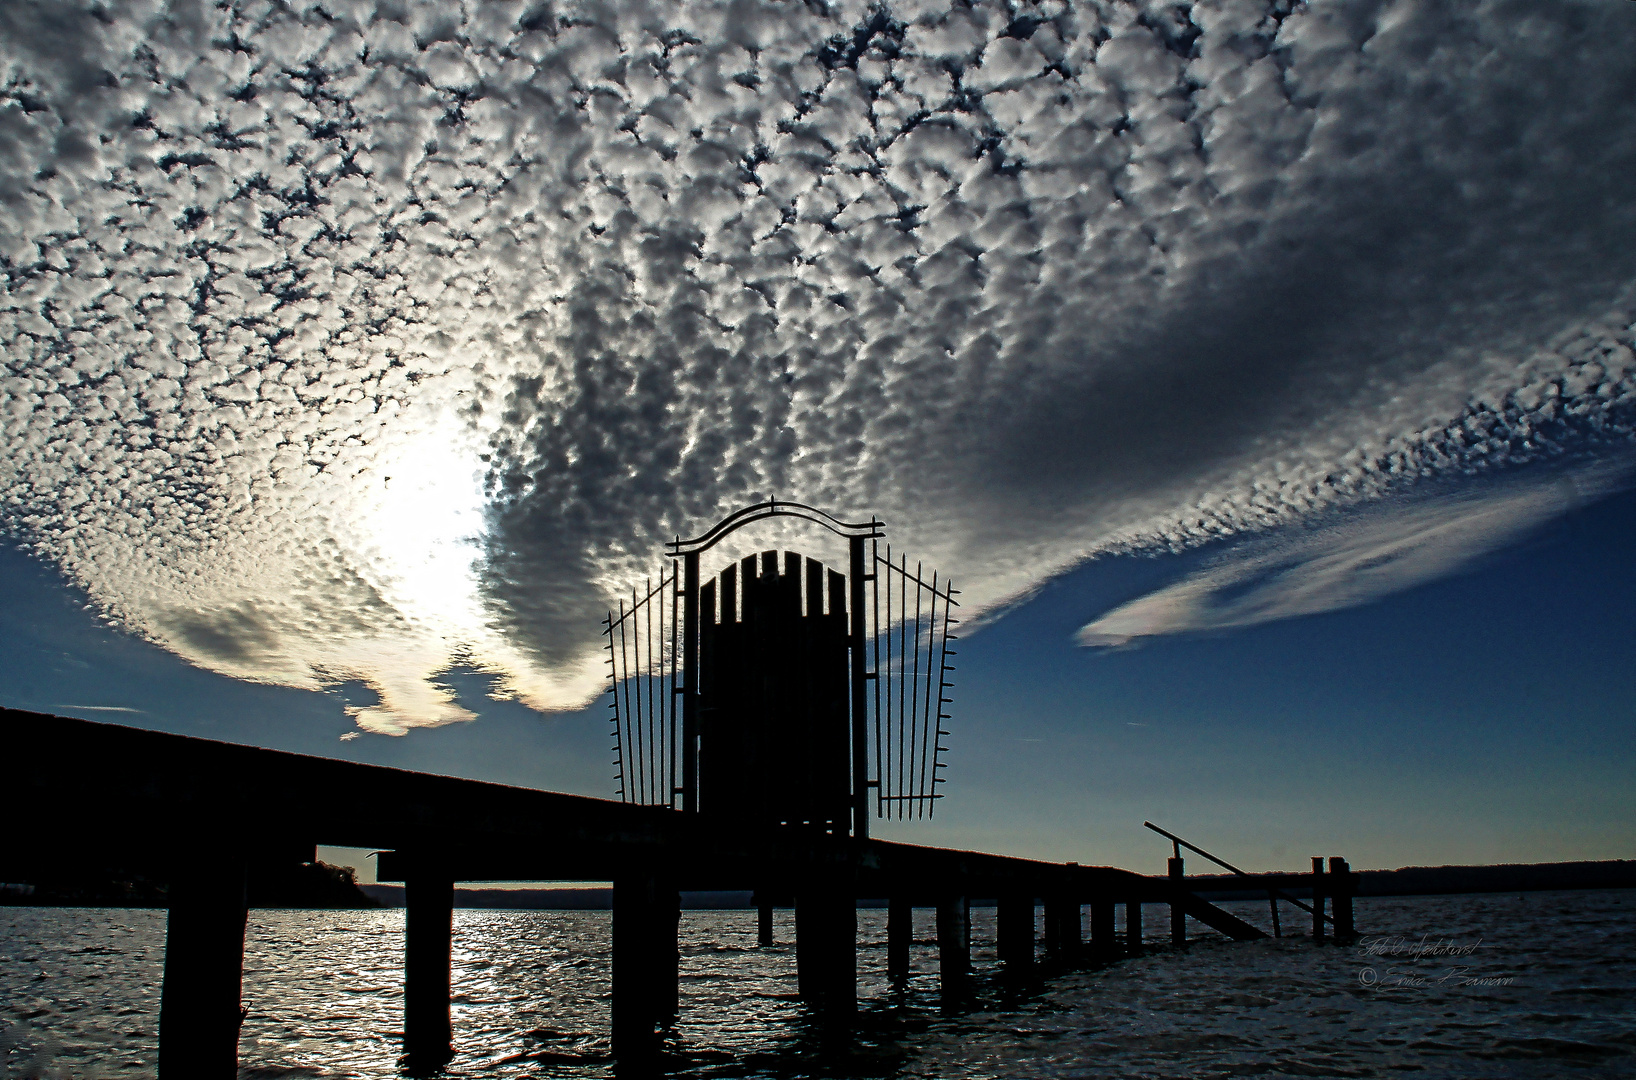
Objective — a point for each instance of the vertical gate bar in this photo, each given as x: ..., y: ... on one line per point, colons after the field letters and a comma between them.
x: 942, y: 684
x: 907, y: 733
x: 710, y: 648
x: 632, y: 750
x: 633, y: 693
x: 675, y: 600
x: 647, y: 679
x: 914, y: 695
x: 613, y: 687
x: 690, y: 683
x: 656, y: 718
x: 874, y: 619
x: 814, y: 587
x: 933, y: 725
x: 860, y: 690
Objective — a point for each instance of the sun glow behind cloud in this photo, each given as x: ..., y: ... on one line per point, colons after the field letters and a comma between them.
x: 427, y: 525
x: 1031, y: 282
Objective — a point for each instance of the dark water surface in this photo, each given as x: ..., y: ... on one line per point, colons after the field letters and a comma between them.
x: 1484, y: 986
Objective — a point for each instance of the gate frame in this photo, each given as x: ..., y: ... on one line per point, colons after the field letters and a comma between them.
x: 689, y: 551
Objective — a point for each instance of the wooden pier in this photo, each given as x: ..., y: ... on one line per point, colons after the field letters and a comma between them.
x: 103, y: 801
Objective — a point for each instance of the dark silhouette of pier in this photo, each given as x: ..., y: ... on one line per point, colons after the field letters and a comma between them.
x: 92, y: 799
x: 762, y: 715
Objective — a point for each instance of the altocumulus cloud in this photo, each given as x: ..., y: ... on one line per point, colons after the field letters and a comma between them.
x: 344, y: 339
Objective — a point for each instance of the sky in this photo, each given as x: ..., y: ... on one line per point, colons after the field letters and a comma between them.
x: 1262, y: 373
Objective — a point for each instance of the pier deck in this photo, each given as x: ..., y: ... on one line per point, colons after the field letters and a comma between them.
x: 102, y: 800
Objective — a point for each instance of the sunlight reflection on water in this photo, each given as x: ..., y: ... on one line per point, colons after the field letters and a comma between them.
x: 531, y: 988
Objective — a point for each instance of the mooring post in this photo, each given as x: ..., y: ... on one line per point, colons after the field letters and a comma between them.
x: 1133, y: 927
x: 428, y: 929
x: 1317, y: 898
x: 900, y: 935
x: 199, y: 1013
x: 1103, y: 946
x: 1178, y: 917
x: 953, y: 944
x: 1015, y: 932
x: 639, y: 1001
x: 1341, y: 887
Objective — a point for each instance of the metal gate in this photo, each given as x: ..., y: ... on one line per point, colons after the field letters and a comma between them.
x: 754, y: 692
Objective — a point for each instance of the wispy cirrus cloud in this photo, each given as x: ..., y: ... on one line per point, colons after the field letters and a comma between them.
x: 342, y: 339
x: 1360, y: 557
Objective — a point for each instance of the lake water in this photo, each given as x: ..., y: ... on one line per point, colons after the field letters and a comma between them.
x: 1482, y: 986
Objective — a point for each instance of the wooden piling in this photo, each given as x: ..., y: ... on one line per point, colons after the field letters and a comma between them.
x: 1178, y: 918
x: 639, y: 913
x: 764, y: 924
x: 428, y: 928
x: 1064, y: 933
x: 953, y: 943
x: 900, y: 935
x: 1103, y: 946
x: 1015, y: 932
x: 199, y: 1012
x: 667, y: 950
x: 826, y: 948
x: 1053, y: 925
x: 1317, y: 898
x: 1341, y: 888
x: 1133, y: 927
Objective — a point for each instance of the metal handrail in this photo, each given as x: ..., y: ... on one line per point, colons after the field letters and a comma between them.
x: 1281, y: 894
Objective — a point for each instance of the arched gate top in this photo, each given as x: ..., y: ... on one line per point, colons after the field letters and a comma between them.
x: 773, y: 508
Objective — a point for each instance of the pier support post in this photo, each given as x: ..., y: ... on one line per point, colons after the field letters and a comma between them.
x: 1317, y: 898
x: 199, y: 1014
x: 1133, y: 927
x: 1015, y: 932
x: 1178, y: 918
x: 645, y: 913
x: 953, y: 944
x: 764, y: 924
x: 667, y: 950
x: 900, y: 935
x: 1341, y: 887
x: 428, y: 927
x: 1103, y: 946
x: 1063, y: 932
x: 826, y: 948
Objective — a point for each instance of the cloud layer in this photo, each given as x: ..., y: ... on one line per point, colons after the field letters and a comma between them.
x: 343, y: 339
x: 1359, y: 558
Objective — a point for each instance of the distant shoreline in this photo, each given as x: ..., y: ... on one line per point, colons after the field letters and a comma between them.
x: 336, y: 890
x: 1405, y: 881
